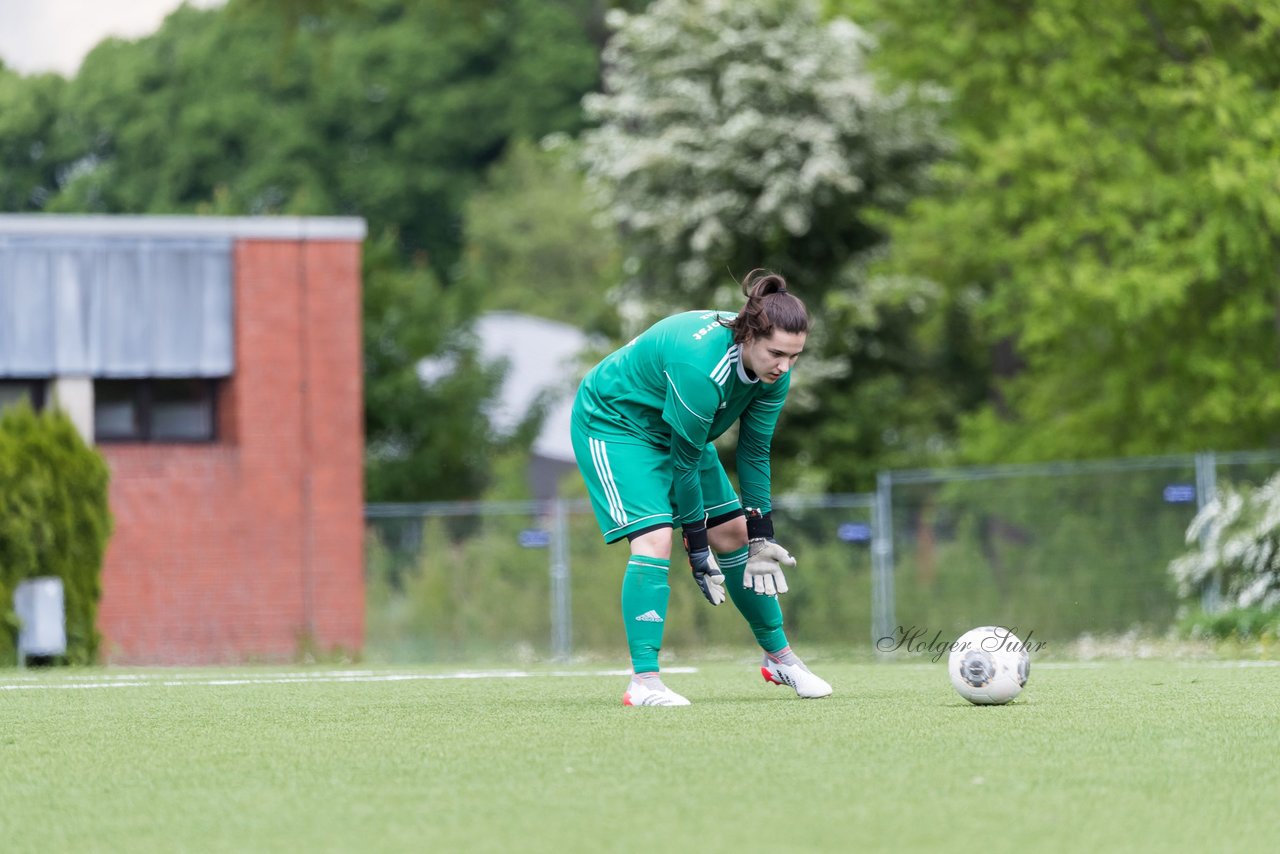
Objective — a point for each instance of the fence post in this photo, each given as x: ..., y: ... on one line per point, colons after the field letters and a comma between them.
x: 1206, y: 486
x: 561, y: 607
x: 882, y: 605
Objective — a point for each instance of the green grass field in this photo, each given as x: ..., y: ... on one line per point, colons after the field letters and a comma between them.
x: 1143, y: 756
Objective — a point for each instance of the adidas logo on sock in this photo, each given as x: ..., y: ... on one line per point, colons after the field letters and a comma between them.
x: 649, y: 617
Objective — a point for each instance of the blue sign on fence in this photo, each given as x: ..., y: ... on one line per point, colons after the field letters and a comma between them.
x: 1179, y: 493
x: 854, y: 532
x: 533, y: 538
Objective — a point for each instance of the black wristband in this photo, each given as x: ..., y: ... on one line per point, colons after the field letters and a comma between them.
x: 759, y: 526
x: 695, y: 537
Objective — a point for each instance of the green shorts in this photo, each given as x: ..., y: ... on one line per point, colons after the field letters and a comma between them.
x: 632, y: 484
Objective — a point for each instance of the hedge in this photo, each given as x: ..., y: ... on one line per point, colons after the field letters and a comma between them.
x: 54, y: 520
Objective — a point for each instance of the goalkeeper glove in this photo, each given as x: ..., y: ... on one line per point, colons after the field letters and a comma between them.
x: 765, y: 558
x: 705, y: 570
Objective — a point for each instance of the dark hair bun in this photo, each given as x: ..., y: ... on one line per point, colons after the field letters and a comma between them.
x: 761, y: 283
x: 768, y: 307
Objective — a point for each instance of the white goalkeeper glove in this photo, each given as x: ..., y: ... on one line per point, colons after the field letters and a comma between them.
x: 765, y: 560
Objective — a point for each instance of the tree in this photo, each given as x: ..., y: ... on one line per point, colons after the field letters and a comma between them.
x: 1111, y: 205
x: 31, y: 159
x: 54, y: 521
x: 535, y: 243
x: 426, y: 438
x: 382, y: 108
x: 746, y: 134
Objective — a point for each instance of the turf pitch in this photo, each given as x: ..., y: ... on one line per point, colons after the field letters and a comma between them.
x: 1115, y: 756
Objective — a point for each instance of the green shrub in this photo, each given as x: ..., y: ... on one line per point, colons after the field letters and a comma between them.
x: 1238, y: 624
x: 54, y: 520
x: 463, y: 589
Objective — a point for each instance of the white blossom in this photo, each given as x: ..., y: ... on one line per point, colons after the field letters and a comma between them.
x: 726, y: 124
x: 1235, y: 537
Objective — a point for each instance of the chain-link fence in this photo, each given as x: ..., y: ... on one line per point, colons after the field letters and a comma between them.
x: 532, y: 580
x: 1054, y: 550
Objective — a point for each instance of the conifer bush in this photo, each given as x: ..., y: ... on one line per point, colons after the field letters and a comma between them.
x: 54, y: 521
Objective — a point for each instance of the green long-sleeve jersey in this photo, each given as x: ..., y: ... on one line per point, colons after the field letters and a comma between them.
x: 679, y: 385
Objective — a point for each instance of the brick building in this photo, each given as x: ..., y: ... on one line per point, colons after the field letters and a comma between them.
x: 216, y: 364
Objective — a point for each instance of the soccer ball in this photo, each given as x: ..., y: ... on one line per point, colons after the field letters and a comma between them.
x: 989, y: 665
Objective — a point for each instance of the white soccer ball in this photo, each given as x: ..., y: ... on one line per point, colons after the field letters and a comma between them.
x: 989, y: 665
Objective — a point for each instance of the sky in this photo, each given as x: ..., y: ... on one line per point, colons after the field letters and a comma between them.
x: 54, y: 35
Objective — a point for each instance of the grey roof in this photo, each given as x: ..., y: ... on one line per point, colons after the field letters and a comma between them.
x: 100, y: 306
x: 235, y: 227
x: 542, y: 357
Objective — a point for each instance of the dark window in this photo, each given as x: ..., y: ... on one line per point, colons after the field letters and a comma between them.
x: 115, y: 410
x: 154, y: 410
x: 11, y: 391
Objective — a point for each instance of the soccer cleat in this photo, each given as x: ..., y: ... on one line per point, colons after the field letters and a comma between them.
x: 639, y: 694
x: 799, y: 677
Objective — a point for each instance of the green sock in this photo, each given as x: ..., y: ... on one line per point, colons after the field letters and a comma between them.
x: 644, y: 609
x: 763, y: 613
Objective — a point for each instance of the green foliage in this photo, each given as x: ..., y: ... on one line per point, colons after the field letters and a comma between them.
x: 535, y: 243
x: 444, y: 606
x: 738, y: 135
x: 423, y: 440
x: 893, y: 372
x: 1112, y: 199
x: 381, y: 108
x: 1234, y: 545
x: 1244, y: 625
x: 733, y: 136
x: 54, y: 521
x: 462, y: 588
x: 30, y: 155
x: 1060, y: 557
x: 385, y: 109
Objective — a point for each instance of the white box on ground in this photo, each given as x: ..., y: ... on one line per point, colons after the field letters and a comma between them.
x: 39, y: 605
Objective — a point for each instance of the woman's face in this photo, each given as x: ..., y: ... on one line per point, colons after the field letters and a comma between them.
x: 770, y: 358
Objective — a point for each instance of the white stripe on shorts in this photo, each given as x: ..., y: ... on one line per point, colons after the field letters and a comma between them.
x: 605, y: 473
x: 664, y: 517
x: 710, y: 511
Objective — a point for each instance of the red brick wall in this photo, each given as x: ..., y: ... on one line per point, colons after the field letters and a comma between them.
x: 248, y: 548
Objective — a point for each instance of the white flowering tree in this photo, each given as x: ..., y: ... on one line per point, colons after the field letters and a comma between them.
x: 1235, y: 538
x: 738, y: 133
x: 734, y: 134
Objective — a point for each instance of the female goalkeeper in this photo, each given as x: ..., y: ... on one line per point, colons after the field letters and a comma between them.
x: 643, y: 423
